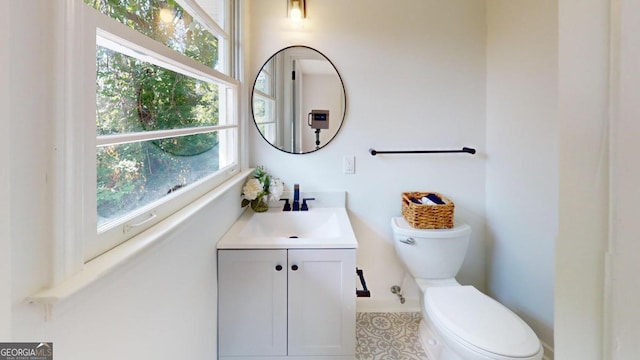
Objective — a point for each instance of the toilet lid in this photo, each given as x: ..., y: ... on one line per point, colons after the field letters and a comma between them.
x: 478, y: 320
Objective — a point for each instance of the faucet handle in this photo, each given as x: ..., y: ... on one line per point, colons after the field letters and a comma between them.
x: 287, y: 206
x: 304, y: 204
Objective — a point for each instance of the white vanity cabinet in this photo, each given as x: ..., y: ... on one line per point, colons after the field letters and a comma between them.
x: 286, y: 303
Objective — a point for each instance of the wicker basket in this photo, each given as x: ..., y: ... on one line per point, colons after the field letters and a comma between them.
x: 426, y: 216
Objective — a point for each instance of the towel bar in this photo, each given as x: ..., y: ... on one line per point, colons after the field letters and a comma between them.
x: 464, y: 150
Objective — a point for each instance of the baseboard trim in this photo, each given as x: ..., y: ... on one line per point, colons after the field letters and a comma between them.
x: 548, y: 351
x: 394, y: 305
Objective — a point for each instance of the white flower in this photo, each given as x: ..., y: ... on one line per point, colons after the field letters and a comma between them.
x: 260, y: 187
x: 275, y: 190
x: 252, y: 189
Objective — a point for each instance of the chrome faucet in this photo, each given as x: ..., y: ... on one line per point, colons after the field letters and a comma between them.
x: 296, y: 197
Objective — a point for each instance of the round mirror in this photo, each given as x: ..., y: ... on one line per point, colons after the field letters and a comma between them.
x: 298, y: 100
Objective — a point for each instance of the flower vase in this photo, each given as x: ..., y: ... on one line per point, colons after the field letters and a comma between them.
x: 259, y: 205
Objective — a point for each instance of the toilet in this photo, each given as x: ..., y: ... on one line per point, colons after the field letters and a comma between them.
x: 458, y: 322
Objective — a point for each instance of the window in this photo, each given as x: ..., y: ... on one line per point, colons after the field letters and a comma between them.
x: 166, y: 124
x: 264, y: 102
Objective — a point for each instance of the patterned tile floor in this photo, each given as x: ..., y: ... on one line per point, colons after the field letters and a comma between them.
x: 388, y: 336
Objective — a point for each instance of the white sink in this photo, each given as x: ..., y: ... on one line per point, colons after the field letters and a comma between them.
x: 316, y: 228
x: 318, y: 223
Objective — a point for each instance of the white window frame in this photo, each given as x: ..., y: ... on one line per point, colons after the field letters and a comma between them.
x: 116, y: 36
x: 75, y: 199
x: 268, y: 97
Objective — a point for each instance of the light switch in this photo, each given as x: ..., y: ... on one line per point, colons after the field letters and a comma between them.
x: 349, y: 164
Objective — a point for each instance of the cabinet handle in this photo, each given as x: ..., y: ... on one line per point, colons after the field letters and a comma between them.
x: 294, y: 267
x: 278, y: 267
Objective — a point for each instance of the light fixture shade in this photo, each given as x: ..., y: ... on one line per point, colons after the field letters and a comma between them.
x: 296, y: 9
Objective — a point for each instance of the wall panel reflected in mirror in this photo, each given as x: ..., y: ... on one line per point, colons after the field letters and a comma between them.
x: 298, y: 100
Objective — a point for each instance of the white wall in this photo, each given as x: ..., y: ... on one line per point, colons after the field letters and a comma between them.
x: 522, y: 157
x: 5, y: 244
x: 414, y: 75
x: 162, y: 305
x: 583, y: 38
x: 625, y: 177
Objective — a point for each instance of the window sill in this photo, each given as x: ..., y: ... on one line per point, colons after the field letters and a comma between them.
x: 106, y: 263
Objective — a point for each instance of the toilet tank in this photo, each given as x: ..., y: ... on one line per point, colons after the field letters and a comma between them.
x: 431, y: 253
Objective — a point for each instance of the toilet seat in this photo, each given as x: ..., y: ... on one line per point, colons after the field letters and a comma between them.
x: 480, y: 323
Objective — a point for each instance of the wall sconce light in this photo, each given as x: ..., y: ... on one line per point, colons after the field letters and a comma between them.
x: 296, y: 9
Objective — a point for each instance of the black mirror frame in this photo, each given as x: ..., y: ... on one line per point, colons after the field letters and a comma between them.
x: 344, y: 94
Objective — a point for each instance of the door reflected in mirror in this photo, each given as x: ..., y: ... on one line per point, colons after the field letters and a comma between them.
x: 298, y: 100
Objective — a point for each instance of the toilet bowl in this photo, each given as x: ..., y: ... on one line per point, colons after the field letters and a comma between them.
x: 458, y: 322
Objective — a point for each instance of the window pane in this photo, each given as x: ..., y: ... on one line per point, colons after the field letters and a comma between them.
x: 134, y: 95
x: 263, y: 109
x: 166, y: 22
x: 260, y: 110
x: 262, y: 83
x: 268, y: 131
x: 130, y: 176
x: 216, y: 9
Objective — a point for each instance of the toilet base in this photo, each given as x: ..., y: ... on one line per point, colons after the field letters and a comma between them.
x: 437, y: 348
x: 433, y: 345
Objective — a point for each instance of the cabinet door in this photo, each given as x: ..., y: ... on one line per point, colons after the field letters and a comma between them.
x: 322, y: 302
x: 252, y: 302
